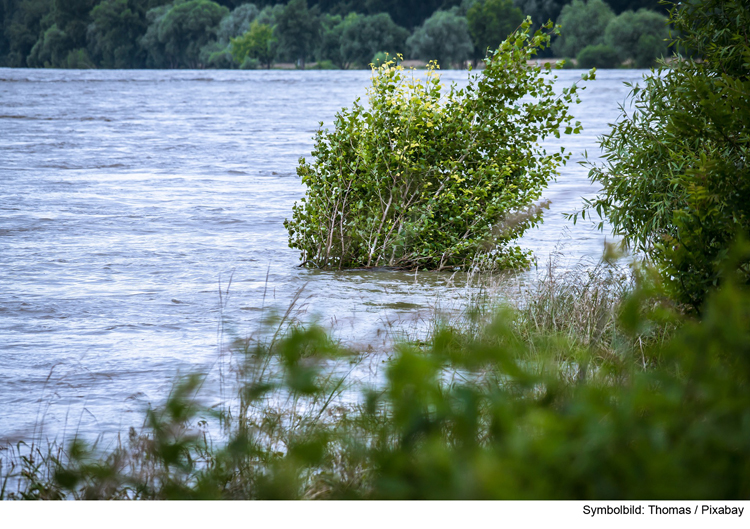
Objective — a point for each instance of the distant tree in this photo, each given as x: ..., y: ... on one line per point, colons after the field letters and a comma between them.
x: 298, y: 31
x: 78, y: 59
x: 189, y: 26
x: 218, y: 54
x: 540, y: 11
x: 443, y: 37
x: 6, y: 9
x: 364, y: 36
x: 641, y: 37
x: 464, y: 7
x: 151, y: 4
x: 333, y: 27
x: 269, y: 14
x: 258, y: 43
x: 329, y: 37
x: 214, y: 55
x: 236, y: 23
x: 113, y: 34
x: 408, y: 14
x: 582, y: 23
x: 51, y: 50
x: 620, y: 6
x: 490, y: 23
x: 22, y: 25
x: 156, y: 56
x: 72, y: 17
x: 597, y: 56
x: 232, y: 4
x: 381, y: 58
x: 62, y: 35
x: 177, y: 34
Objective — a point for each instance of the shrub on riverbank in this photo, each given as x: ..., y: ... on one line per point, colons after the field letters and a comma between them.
x: 432, y: 180
x: 526, y: 408
x: 676, y: 180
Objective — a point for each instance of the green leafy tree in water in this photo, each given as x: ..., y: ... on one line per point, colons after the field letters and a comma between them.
x: 444, y: 37
x: 490, y: 23
x: 583, y: 24
x: 676, y: 182
x: 421, y: 178
x: 259, y: 43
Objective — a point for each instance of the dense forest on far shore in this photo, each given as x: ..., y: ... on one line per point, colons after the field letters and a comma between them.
x: 324, y: 33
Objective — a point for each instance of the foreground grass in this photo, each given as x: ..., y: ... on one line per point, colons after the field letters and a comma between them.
x: 589, y: 386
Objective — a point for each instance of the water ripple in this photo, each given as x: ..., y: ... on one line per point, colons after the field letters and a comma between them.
x: 126, y: 210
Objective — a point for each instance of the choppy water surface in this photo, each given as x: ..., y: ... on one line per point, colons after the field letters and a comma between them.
x: 128, y: 197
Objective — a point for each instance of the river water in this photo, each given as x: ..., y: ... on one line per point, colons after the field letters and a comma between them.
x: 128, y: 199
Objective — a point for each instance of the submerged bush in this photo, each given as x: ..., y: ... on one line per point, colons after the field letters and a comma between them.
x: 428, y: 179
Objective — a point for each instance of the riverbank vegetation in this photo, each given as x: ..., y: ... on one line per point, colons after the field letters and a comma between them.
x: 328, y: 33
x: 676, y: 182
x: 422, y: 179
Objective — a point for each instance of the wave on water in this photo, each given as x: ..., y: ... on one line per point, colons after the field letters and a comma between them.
x: 49, y: 118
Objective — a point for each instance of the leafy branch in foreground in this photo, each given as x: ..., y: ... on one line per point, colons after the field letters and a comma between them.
x: 428, y: 179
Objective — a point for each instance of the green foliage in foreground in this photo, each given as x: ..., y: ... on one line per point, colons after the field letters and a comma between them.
x: 514, y: 411
x: 676, y: 182
x: 423, y: 178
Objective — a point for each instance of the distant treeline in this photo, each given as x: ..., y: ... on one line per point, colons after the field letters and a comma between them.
x: 333, y: 33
